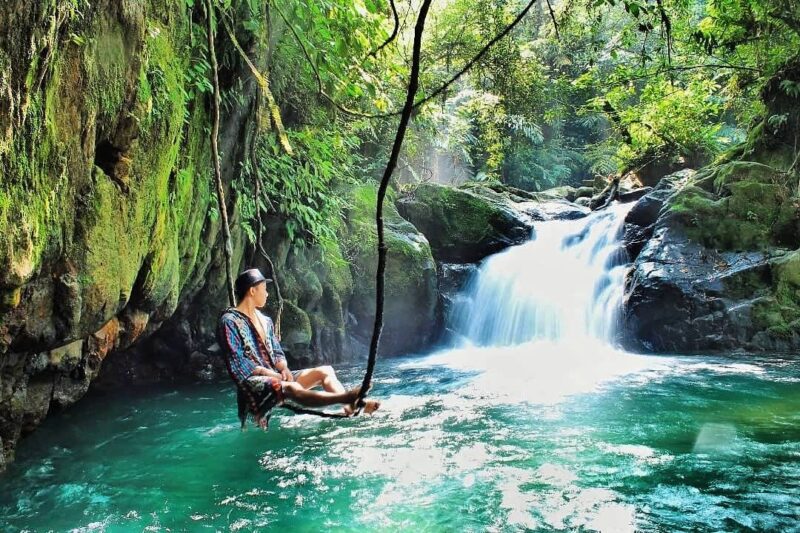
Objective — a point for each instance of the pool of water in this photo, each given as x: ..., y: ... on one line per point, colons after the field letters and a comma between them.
x: 523, y: 438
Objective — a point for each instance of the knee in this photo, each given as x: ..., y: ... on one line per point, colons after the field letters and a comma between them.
x: 290, y: 389
x: 327, y: 371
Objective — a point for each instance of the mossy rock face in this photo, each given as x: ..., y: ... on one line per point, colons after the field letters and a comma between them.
x: 104, y: 201
x: 295, y: 328
x: 566, y: 192
x: 718, y: 273
x: 112, y: 205
x: 410, y: 280
x: 738, y: 206
x: 316, y: 286
x: 683, y: 297
x: 462, y: 226
x: 779, y: 313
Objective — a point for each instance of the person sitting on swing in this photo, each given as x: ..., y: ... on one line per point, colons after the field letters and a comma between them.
x: 257, y: 364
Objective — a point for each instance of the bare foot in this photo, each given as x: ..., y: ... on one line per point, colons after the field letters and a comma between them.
x: 261, y: 422
x: 370, y: 406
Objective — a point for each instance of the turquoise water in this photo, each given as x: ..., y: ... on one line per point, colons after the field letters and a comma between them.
x: 527, y: 438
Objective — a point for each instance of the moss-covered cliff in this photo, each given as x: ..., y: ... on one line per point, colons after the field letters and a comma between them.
x: 105, y: 194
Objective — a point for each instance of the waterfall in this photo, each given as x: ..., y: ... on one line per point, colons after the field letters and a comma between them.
x: 537, y: 322
x: 564, y: 286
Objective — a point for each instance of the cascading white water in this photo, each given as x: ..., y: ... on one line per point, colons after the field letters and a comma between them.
x: 565, y: 286
x: 538, y: 320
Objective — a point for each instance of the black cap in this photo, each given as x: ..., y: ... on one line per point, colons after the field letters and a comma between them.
x: 247, y: 279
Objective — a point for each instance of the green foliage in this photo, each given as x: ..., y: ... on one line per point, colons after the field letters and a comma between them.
x: 684, y: 80
x: 669, y: 120
x: 625, y: 83
x: 301, y: 188
x: 338, y: 37
x: 791, y: 88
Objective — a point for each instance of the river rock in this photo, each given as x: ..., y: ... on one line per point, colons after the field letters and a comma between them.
x: 540, y: 211
x: 640, y: 220
x: 563, y: 192
x: 558, y: 203
x: 685, y: 298
x: 717, y: 274
x: 453, y: 280
x: 633, y: 195
x: 463, y: 226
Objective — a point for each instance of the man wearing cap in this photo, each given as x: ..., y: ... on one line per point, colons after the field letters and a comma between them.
x: 257, y: 364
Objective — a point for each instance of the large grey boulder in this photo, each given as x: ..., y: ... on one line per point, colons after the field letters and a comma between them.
x: 713, y: 273
x: 463, y: 226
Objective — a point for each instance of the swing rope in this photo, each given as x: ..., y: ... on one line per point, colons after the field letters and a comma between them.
x: 380, y: 276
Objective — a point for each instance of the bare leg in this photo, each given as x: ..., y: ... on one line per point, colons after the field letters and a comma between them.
x: 326, y: 376
x: 321, y: 375
x: 312, y: 398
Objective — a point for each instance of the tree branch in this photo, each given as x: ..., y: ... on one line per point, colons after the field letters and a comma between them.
x: 263, y: 83
x: 273, y: 274
x: 667, y: 25
x: 553, y: 18
x: 391, y: 37
x: 673, y: 68
x: 477, y: 56
x: 424, y: 100
x: 313, y: 66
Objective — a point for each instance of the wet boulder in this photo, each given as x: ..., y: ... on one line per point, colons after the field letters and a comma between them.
x: 633, y: 195
x: 556, y: 209
x: 464, y: 226
x: 641, y: 219
x: 453, y: 280
x: 682, y: 297
x: 717, y: 272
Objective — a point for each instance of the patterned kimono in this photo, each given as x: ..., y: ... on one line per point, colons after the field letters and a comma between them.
x: 244, y: 351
